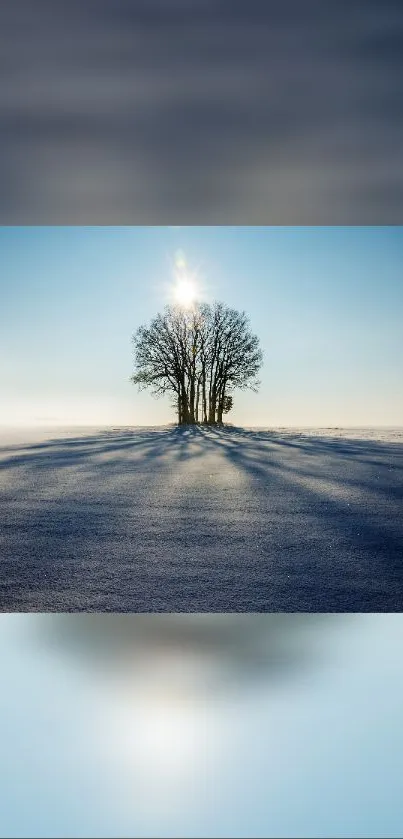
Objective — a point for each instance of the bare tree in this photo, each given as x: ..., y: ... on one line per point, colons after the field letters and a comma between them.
x: 199, y: 356
x: 159, y: 358
x: 240, y: 358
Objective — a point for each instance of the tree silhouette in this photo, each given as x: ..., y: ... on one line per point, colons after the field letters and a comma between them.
x: 199, y: 356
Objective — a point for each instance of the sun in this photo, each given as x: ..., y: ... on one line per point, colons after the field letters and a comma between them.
x: 185, y: 292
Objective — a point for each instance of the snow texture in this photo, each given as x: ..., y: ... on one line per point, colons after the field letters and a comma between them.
x: 201, y: 520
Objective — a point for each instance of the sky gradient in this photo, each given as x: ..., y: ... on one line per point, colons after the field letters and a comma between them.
x: 326, y: 303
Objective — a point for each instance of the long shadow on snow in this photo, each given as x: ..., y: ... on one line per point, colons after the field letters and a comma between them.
x: 351, y: 448
x: 378, y: 551
x: 68, y: 452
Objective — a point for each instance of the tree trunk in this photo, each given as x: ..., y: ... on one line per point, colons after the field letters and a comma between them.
x: 221, y: 399
x: 204, y: 398
x: 197, y: 401
x: 212, y: 408
x: 192, y: 401
x: 184, y: 406
x: 212, y: 404
x: 220, y: 406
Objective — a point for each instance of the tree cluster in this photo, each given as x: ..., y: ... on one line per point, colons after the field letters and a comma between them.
x: 200, y: 356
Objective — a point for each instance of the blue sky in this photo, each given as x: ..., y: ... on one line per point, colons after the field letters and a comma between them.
x: 326, y: 303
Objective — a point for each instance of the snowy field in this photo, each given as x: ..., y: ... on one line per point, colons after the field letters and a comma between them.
x: 168, y: 519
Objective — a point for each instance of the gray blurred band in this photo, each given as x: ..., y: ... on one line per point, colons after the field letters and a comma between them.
x: 225, y: 112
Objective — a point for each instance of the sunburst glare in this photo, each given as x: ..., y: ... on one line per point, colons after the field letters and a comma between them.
x: 186, y: 290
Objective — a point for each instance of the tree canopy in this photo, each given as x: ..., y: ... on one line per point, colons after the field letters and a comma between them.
x: 200, y: 356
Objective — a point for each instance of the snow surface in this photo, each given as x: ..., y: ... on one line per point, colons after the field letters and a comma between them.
x: 232, y: 519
